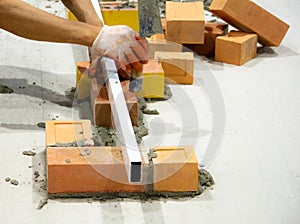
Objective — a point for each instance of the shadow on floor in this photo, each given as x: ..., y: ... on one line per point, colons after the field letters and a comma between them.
x: 22, y: 87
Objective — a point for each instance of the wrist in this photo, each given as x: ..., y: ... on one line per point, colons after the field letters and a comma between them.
x: 94, y: 32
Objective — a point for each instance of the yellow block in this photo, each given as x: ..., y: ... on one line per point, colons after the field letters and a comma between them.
x: 112, y: 16
x: 83, y: 83
x: 127, y: 17
x: 153, y: 83
x: 71, y: 16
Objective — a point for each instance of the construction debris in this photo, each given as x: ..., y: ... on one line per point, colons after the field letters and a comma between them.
x: 42, y: 203
x: 29, y: 153
x: 85, y: 152
x: 14, y: 182
x: 41, y: 125
x: 5, y: 89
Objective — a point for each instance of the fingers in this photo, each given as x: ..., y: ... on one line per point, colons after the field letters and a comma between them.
x: 124, y: 74
x: 134, y: 62
x: 143, y: 42
x: 140, y: 52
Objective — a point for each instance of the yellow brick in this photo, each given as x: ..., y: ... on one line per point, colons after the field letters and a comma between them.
x: 71, y: 16
x: 112, y: 16
x: 83, y: 83
x: 153, y: 83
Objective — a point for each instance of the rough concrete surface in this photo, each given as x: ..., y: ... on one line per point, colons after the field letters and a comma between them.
x: 256, y: 169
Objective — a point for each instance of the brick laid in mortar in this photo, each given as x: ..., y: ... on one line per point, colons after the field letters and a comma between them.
x: 60, y: 132
x: 205, y: 181
x: 101, y: 105
x: 102, y: 170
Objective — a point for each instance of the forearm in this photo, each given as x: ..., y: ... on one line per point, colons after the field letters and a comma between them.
x: 27, y: 21
x: 84, y: 11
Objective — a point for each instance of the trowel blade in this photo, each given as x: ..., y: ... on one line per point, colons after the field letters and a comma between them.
x: 149, y: 18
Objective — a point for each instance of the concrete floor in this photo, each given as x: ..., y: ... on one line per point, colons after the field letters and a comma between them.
x: 256, y: 167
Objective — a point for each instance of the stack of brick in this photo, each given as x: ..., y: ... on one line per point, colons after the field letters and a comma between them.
x: 184, y: 24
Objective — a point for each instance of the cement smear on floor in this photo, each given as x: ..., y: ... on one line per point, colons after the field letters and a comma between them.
x: 5, y: 90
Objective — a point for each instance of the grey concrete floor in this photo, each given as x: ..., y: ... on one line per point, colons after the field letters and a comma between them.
x: 256, y: 166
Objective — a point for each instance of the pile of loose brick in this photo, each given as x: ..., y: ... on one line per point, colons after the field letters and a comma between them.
x: 185, y: 24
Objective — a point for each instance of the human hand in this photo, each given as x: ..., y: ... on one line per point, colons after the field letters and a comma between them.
x: 122, y: 44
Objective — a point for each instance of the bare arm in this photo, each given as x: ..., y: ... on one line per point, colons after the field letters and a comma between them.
x: 27, y: 21
x: 84, y: 11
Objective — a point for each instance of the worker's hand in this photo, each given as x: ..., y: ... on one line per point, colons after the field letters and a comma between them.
x: 122, y: 44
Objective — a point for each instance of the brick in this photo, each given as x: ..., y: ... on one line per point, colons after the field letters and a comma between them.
x: 154, y: 80
x: 103, y: 170
x: 236, y: 47
x: 116, y: 16
x: 101, y: 105
x: 81, y: 69
x: 249, y: 17
x: 185, y: 22
x: 71, y: 16
x: 175, y: 169
x: 164, y: 23
x: 162, y: 45
x: 83, y: 82
x: 212, y: 31
x: 158, y: 36
x: 68, y: 131
x: 178, y: 66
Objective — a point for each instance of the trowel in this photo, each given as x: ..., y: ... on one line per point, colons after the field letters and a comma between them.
x: 150, y: 24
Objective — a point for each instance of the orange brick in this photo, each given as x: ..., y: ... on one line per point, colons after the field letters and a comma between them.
x: 175, y: 169
x: 102, y: 170
x: 236, y: 47
x: 249, y: 17
x: 164, y: 23
x: 185, y: 22
x: 101, y: 105
x: 162, y: 45
x: 178, y: 66
x: 158, y: 36
x: 68, y: 131
x: 212, y: 31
